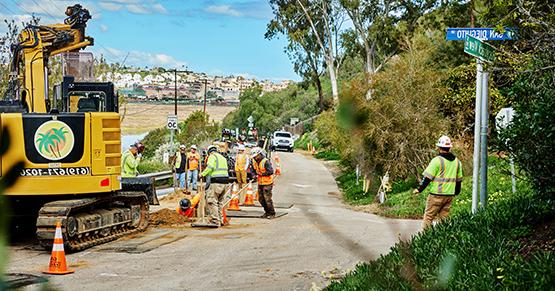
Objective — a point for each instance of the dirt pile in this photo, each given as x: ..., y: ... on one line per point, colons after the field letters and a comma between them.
x: 167, y: 217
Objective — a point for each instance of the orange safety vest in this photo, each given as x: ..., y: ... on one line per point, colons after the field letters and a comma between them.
x: 240, y: 162
x: 193, y: 160
x: 260, y: 169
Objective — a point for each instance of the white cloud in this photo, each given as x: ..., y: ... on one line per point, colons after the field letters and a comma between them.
x: 110, y: 6
x: 138, y: 9
x: 134, y: 6
x: 103, y: 27
x: 159, y: 8
x: 257, y: 9
x: 224, y: 10
x: 140, y: 58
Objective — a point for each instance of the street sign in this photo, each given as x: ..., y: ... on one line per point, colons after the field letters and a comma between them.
x: 504, y: 118
x: 479, y: 49
x: 250, y: 119
x: 172, y: 122
x: 481, y: 33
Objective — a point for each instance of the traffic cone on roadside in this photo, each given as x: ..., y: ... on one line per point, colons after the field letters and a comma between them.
x: 58, y: 265
x: 249, y: 200
x: 234, y: 203
x: 278, y: 167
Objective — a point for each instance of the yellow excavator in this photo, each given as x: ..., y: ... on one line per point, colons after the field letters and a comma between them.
x: 69, y: 142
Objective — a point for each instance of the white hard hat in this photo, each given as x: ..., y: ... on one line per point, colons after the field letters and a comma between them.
x: 240, y: 147
x: 182, y: 146
x: 255, y: 152
x: 444, y: 142
x: 194, y: 147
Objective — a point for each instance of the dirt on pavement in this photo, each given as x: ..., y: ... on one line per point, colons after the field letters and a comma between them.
x: 167, y: 218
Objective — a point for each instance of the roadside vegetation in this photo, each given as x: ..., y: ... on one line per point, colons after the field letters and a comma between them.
x: 271, y: 110
x: 196, y: 129
x: 397, y: 85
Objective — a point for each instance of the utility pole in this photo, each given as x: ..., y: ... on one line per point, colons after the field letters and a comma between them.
x: 205, y: 91
x: 175, y: 99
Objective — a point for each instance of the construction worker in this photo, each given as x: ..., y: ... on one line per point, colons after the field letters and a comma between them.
x: 180, y: 164
x: 130, y: 160
x: 265, y: 174
x: 445, y: 175
x: 242, y: 163
x: 193, y: 159
x: 217, y: 171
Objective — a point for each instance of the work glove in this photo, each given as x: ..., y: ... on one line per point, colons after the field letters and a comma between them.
x: 415, y: 192
x: 139, y: 156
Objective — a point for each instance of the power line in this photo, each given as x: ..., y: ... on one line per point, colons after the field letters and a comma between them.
x: 7, y: 8
x: 42, y: 8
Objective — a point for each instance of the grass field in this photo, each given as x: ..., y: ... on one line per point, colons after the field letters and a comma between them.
x: 144, y: 117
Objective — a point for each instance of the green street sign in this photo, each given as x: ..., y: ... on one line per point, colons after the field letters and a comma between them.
x: 479, y: 49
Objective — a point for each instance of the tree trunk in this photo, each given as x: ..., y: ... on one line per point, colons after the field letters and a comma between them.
x: 320, y: 93
x: 369, y: 68
x: 333, y: 80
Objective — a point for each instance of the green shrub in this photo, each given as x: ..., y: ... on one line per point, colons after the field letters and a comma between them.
x: 151, y: 166
x: 328, y: 155
x: 479, y: 252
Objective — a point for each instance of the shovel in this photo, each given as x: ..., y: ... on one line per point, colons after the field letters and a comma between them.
x: 203, y: 220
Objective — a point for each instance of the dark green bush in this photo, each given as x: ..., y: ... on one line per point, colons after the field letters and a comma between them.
x: 479, y: 252
x: 531, y: 137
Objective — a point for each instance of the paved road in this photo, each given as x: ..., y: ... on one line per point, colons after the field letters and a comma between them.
x: 289, y: 253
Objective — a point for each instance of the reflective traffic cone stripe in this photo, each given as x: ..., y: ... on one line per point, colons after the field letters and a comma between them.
x: 278, y: 167
x: 234, y: 203
x: 249, y: 200
x: 58, y: 265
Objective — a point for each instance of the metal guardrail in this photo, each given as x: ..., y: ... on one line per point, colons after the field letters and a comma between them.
x: 158, y: 176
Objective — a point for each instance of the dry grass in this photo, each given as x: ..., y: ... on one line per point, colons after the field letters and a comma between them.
x: 141, y: 117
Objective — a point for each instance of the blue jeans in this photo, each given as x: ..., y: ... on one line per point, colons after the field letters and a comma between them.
x: 192, y: 177
x: 181, y: 179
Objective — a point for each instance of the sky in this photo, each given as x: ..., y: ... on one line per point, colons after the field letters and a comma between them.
x: 217, y: 37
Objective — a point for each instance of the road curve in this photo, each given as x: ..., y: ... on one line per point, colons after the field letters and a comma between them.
x: 289, y: 253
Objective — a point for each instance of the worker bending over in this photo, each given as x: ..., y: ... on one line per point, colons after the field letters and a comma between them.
x: 217, y: 171
x: 445, y: 175
x: 265, y: 173
x: 193, y: 159
x: 130, y: 160
x: 242, y: 163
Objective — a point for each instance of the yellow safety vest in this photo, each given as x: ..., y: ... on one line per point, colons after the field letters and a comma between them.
x: 444, y: 175
x: 241, y: 162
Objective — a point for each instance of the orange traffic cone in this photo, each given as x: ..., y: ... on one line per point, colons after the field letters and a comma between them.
x: 278, y: 167
x: 234, y: 203
x: 249, y: 200
x: 58, y: 264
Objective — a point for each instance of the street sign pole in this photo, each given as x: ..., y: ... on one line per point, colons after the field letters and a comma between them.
x: 484, y: 141
x: 477, y: 123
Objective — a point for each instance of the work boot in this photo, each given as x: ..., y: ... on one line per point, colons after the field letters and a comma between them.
x: 270, y: 216
x: 264, y: 215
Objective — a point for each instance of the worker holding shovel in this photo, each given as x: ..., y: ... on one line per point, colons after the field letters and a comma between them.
x: 217, y: 171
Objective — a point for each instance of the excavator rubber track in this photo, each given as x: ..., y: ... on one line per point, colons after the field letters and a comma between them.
x: 88, y: 222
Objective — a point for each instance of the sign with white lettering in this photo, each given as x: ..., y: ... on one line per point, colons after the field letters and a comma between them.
x: 480, y: 33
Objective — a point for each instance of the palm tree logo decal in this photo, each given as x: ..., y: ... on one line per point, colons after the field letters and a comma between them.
x: 54, y: 140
